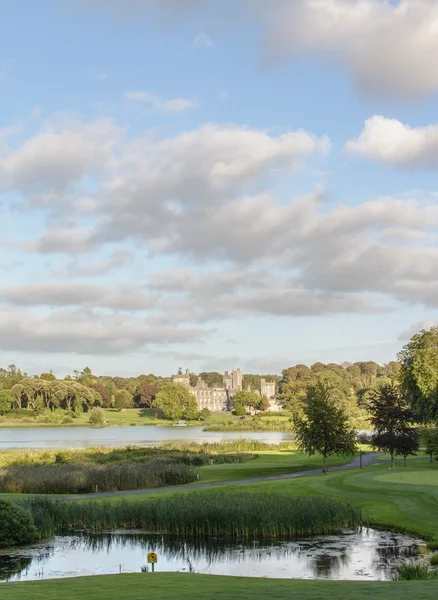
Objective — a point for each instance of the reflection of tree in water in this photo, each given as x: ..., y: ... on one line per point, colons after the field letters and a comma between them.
x: 11, y: 567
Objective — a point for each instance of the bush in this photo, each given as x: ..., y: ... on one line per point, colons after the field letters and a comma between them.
x: 239, y: 410
x: 97, y: 417
x: 16, y: 526
x: 205, y: 414
x: 434, y: 559
x: 433, y: 545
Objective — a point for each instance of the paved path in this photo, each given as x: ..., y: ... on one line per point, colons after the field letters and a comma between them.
x: 367, y: 460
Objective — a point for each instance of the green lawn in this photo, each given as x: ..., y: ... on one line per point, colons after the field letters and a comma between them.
x: 177, y: 586
x: 267, y: 463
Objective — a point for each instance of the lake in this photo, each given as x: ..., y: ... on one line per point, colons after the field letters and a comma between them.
x: 352, y: 554
x: 83, y: 437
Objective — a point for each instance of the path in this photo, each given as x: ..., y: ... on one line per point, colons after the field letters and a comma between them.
x: 367, y: 460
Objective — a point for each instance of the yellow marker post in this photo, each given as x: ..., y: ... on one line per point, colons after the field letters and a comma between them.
x: 152, y: 559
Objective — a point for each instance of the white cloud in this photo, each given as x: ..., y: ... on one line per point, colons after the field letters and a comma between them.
x: 80, y: 332
x: 391, y: 142
x: 61, y: 154
x: 416, y: 328
x: 161, y: 105
x: 388, y: 47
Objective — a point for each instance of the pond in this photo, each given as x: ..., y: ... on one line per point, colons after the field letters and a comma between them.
x: 83, y: 437
x: 351, y: 554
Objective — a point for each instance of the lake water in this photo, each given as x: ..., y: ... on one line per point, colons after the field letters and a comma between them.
x: 83, y: 437
x: 352, y: 554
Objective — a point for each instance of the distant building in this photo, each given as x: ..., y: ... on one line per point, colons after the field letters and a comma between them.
x: 219, y: 399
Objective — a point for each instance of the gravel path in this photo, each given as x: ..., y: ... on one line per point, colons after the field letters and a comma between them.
x: 367, y: 460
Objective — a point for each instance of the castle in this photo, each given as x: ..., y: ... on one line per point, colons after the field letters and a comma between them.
x: 218, y: 399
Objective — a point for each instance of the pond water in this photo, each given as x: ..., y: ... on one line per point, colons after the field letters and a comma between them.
x: 83, y: 437
x: 351, y: 554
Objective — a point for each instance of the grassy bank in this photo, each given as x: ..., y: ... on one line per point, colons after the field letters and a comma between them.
x: 212, y: 513
x: 252, y: 424
x: 170, y: 586
x: 144, y: 417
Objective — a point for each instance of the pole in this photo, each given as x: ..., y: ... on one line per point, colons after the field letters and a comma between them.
x: 360, y: 454
x: 153, y: 568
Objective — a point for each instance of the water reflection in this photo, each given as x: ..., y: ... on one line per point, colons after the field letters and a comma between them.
x: 351, y: 554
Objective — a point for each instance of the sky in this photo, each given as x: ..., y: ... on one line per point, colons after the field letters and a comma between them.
x: 211, y: 184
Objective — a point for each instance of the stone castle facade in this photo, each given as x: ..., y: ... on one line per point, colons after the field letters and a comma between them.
x: 218, y: 399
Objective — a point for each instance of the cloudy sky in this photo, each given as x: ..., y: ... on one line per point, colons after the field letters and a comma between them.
x: 216, y: 183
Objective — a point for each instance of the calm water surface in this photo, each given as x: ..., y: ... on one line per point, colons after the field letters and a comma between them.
x: 82, y: 437
x: 351, y: 554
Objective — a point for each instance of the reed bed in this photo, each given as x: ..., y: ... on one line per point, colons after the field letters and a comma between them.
x: 212, y: 513
x: 83, y: 478
x: 251, y: 424
x: 197, y: 454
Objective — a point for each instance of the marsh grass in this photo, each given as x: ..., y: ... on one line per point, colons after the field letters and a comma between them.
x: 83, y: 478
x: 197, y: 454
x: 211, y: 513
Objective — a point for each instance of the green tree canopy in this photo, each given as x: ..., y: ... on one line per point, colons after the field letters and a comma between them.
x: 246, y: 398
x: 324, y: 427
x: 176, y: 402
x: 419, y: 374
x: 392, y: 419
x: 6, y: 400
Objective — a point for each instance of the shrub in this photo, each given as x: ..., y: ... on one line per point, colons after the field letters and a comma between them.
x: 205, y: 414
x: 239, y: 410
x: 67, y: 419
x: 16, y: 526
x: 97, y: 417
x: 434, y: 559
x: 411, y: 570
x: 433, y: 545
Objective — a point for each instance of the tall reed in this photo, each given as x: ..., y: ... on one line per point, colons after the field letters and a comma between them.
x: 83, y: 478
x: 209, y: 513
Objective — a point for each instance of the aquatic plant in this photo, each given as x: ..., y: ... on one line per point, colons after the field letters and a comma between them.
x: 411, y: 570
x: 207, y: 513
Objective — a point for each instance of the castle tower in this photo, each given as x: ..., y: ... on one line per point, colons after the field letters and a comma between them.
x: 236, y: 378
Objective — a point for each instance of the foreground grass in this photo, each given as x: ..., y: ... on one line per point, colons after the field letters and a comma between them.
x: 173, y: 586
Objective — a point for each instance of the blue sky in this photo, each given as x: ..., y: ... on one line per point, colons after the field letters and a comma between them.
x: 215, y: 184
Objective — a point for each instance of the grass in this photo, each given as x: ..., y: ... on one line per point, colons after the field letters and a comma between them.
x: 268, y: 463
x: 86, y: 478
x: 210, y: 514
x: 387, y: 499
x: 172, y: 586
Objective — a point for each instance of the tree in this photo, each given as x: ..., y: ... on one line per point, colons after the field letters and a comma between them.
x: 176, y: 402
x: 6, y: 400
x: 145, y: 394
x: 212, y: 378
x: 419, y: 374
x: 97, y: 417
x: 265, y: 403
x: 324, y: 427
x: 246, y: 398
x: 392, y: 419
x: 429, y: 441
x: 120, y: 401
